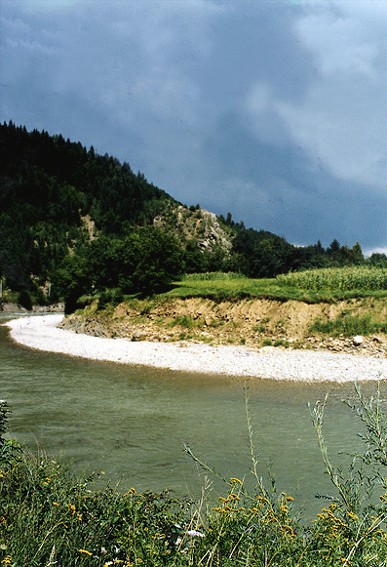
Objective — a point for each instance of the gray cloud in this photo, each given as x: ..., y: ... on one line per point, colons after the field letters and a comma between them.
x: 273, y: 111
x: 342, y: 119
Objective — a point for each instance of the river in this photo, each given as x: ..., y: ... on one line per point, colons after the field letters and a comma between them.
x: 130, y: 424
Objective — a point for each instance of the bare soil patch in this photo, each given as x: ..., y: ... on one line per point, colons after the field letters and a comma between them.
x: 255, y: 323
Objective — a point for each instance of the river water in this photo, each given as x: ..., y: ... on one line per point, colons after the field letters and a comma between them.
x: 131, y: 424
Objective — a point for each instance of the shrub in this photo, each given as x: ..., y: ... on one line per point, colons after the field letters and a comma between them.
x: 24, y: 299
x: 4, y: 411
x: 185, y: 321
x: 113, y: 296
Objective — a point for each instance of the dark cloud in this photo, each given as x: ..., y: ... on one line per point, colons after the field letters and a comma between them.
x: 273, y: 111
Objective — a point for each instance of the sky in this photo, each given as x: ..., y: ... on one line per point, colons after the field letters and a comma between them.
x: 273, y: 110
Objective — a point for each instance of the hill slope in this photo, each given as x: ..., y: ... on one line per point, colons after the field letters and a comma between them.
x: 57, y: 198
x: 73, y: 222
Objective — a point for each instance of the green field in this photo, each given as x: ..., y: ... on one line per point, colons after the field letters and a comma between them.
x: 311, y: 286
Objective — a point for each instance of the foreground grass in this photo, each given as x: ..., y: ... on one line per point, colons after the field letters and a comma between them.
x: 49, y: 517
x: 312, y: 286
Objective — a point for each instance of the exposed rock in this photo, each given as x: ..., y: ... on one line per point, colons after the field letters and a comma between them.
x: 357, y: 340
x: 138, y: 336
x: 200, y: 225
x: 15, y: 308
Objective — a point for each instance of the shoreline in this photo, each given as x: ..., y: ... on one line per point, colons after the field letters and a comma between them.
x: 41, y: 333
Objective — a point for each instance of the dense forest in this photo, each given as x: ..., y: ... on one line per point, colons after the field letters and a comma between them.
x: 73, y: 222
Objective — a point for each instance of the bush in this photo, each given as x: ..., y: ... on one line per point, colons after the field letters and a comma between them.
x: 4, y: 411
x: 24, y: 300
x: 113, y: 296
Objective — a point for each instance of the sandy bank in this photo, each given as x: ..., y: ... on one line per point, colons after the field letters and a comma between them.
x: 42, y: 333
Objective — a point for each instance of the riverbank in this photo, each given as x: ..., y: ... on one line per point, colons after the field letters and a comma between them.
x: 42, y: 333
x: 16, y: 308
x: 250, y: 322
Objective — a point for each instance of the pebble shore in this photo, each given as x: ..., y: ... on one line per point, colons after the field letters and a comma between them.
x: 41, y: 333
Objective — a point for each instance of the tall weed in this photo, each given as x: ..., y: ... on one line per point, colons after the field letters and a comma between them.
x: 348, y: 325
x: 49, y: 517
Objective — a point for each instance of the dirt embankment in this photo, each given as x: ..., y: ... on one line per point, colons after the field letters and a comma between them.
x: 252, y: 322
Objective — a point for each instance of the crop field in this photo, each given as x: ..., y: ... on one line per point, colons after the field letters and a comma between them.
x: 311, y: 286
x: 343, y: 279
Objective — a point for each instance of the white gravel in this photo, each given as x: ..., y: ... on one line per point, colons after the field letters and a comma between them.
x: 41, y: 332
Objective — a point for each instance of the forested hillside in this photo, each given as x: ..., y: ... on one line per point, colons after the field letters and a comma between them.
x: 73, y: 222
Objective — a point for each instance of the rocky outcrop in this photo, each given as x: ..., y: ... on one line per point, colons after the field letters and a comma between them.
x: 197, y: 224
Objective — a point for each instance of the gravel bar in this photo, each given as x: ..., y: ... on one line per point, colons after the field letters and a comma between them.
x: 41, y: 332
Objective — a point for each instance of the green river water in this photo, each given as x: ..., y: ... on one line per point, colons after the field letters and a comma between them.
x: 131, y: 423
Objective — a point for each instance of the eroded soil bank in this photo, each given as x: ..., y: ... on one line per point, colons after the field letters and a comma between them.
x: 252, y: 322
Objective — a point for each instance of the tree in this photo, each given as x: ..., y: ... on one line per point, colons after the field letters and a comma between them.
x: 160, y: 262
x: 73, y: 280
x: 378, y: 259
x: 356, y: 255
x: 333, y: 248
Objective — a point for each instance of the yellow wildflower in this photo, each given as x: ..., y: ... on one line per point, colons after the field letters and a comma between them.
x: 234, y: 480
x: 55, y: 503
x: 72, y: 508
x: 229, y: 509
x: 262, y: 499
x: 233, y: 496
x: 7, y: 560
x: 159, y: 536
x: 289, y: 530
x: 85, y: 552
